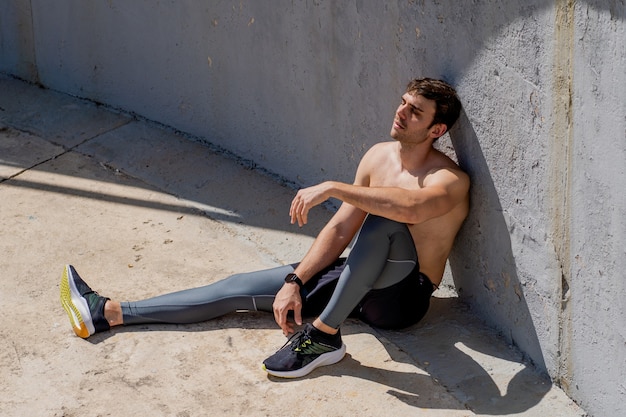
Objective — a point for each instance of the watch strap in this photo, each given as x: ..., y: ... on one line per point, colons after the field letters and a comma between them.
x: 294, y: 278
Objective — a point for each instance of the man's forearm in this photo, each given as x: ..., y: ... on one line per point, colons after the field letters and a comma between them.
x: 391, y: 202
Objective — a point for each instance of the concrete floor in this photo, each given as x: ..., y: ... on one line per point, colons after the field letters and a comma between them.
x: 140, y: 210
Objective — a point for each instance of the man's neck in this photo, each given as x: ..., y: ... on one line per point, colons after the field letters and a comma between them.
x: 414, y: 156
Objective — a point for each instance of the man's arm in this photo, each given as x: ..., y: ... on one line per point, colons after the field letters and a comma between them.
x: 327, y: 247
x: 441, y: 192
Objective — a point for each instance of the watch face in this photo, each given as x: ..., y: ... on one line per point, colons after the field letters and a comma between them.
x: 293, y: 278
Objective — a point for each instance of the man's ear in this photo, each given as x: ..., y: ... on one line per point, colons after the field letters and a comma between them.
x: 438, y: 130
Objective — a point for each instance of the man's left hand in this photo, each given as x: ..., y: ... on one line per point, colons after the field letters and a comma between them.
x: 305, y: 200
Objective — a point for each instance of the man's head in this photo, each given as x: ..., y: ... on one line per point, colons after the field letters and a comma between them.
x: 448, y: 105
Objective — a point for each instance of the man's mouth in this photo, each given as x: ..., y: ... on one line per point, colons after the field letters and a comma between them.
x: 397, y: 125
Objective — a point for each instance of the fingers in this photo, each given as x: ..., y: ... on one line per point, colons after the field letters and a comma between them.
x: 299, y: 211
x: 305, y: 200
x: 294, y: 211
x: 302, y: 218
x: 280, y: 316
x: 284, y: 302
x: 297, y: 315
x: 285, y: 326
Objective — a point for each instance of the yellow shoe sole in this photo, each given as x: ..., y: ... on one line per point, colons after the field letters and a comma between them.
x: 73, y: 312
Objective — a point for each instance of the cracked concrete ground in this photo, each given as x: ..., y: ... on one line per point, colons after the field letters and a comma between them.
x: 140, y: 210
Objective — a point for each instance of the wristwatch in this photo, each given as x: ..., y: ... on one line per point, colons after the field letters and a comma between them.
x: 294, y: 278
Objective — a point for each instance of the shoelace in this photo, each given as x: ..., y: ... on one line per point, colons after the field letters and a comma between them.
x: 297, y: 340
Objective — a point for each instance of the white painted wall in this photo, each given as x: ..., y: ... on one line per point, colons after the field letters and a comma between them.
x: 303, y: 88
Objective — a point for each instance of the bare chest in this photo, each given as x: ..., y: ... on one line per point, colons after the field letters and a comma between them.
x: 397, y: 178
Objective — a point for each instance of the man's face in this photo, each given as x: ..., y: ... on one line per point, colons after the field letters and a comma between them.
x: 413, y: 119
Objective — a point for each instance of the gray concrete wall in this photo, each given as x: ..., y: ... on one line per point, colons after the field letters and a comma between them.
x: 304, y: 88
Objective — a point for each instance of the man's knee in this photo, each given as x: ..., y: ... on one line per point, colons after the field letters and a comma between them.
x: 375, y: 227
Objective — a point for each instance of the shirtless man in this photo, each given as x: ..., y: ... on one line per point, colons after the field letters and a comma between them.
x: 408, y: 199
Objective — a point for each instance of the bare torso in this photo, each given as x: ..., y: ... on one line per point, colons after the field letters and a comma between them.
x: 434, y: 237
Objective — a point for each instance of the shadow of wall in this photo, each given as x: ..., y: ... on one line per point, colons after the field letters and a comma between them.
x: 482, y: 261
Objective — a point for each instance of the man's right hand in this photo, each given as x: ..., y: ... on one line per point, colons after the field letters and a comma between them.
x: 288, y: 299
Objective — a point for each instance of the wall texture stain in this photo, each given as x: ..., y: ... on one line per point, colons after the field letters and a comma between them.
x: 561, y: 166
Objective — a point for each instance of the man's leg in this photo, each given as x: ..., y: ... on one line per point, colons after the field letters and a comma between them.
x: 253, y: 291
x: 382, y: 256
x: 90, y: 313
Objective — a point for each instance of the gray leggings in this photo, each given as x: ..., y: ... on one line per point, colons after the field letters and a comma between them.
x: 379, y: 282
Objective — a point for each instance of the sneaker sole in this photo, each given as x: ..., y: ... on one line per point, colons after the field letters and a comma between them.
x: 75, y: 306
x: 323, y: 360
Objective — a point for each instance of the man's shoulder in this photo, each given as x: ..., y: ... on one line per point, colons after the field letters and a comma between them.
x: 380, y: 149
x: 376, y: 152
x: 445, y: 170
x: 445, y: 163
x: 448, y: 175
x: 381, y: 146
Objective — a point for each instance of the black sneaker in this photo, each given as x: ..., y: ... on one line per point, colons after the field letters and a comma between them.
x: 84, y: 307
x: 305, y: 351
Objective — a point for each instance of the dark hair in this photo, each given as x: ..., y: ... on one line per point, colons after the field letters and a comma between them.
x: 442, y: 93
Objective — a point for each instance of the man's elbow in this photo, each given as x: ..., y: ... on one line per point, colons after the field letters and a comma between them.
x: 410, y: 214
x: 418, y: 213
x: 413, y: 218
